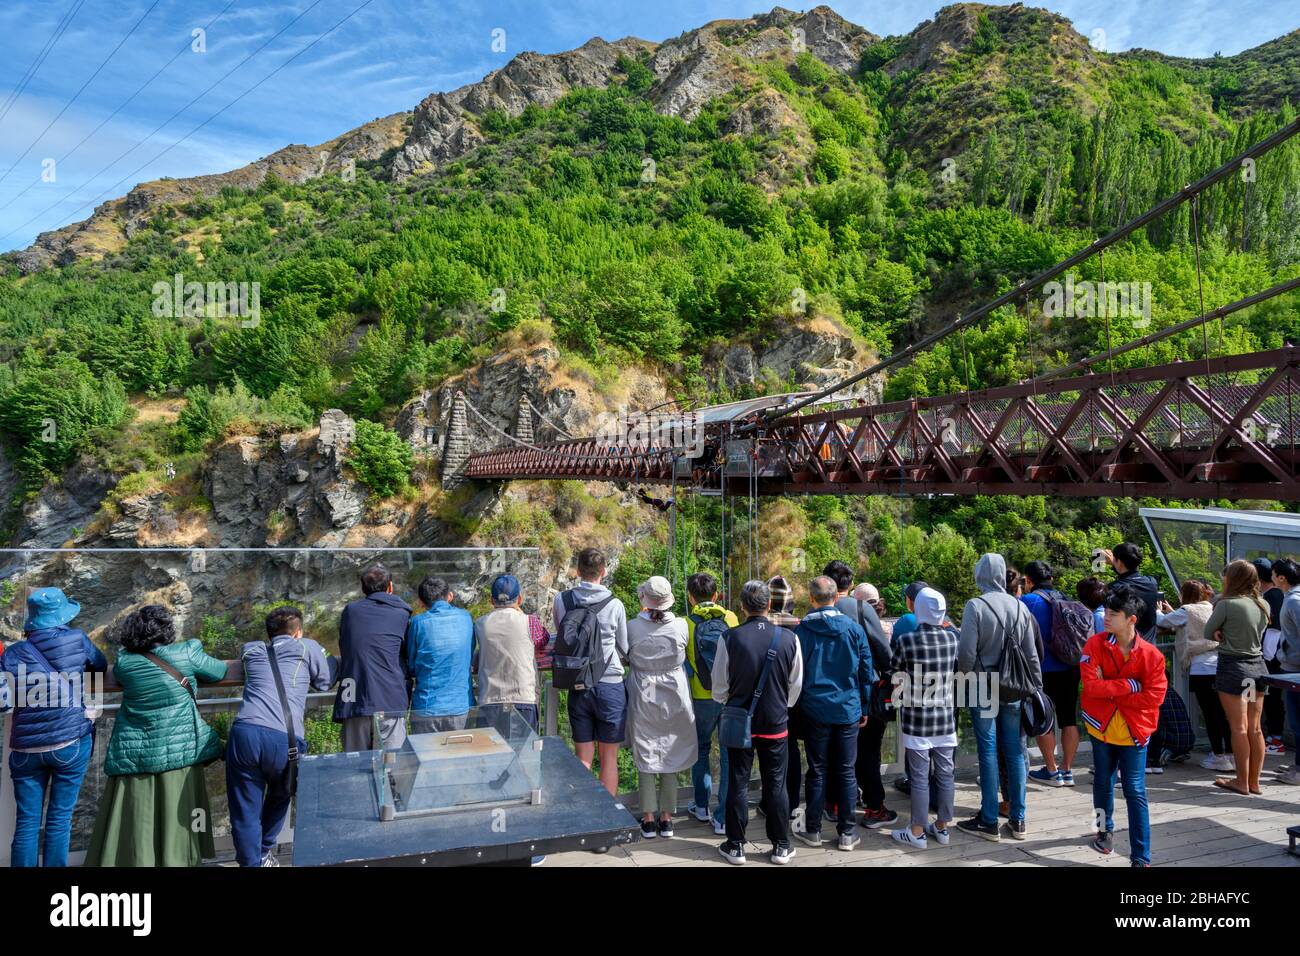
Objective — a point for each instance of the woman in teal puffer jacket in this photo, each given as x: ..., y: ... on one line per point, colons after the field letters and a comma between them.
x: 155, y: 810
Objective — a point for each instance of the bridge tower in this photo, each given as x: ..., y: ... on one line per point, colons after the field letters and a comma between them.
x: 457, y: 449
x: 524, y: 421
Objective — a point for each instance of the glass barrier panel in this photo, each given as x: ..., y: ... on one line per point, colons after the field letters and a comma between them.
x: 220, y: 597
x: 490, y: 756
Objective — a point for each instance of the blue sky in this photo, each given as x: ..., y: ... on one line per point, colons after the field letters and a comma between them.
x: 387, y: 57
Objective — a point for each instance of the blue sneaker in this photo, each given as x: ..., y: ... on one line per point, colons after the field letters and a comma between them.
x: 698, y: 812
x: 1051, y: 778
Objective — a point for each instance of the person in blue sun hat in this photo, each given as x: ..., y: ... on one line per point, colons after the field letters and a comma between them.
x: 51, y: 736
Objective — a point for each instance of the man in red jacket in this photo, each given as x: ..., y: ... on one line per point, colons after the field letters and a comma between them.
x: 1123, y: 686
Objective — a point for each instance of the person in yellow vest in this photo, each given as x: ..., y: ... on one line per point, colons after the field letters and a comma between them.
x: 709, y: 620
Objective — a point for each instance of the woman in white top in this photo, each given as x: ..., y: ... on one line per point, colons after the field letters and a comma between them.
x: 660, y: 717
x: 1199, y: 656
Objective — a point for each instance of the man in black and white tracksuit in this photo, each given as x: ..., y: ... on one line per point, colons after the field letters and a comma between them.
x: 736, y: 670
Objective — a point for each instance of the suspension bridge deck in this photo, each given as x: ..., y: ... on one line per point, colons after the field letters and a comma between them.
x: 1226, y: 427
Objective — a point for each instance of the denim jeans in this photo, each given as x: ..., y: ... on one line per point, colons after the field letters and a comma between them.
x: 706, y: 722
x: 60, y: 772
x: 832, y: 751
x: 1000, y: 733
x: 1291, y: 700
x: 1132, y: 761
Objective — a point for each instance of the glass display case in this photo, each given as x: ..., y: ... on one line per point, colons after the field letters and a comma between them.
x: 489, y: 757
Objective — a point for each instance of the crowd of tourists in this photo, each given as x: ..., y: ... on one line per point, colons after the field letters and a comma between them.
x: 809, y: 698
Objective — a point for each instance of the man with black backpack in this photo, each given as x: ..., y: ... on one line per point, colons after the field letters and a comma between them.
x: 706, y: 624
x: 998, y: 637
x: 1054, y: 612
x: 590, y: 639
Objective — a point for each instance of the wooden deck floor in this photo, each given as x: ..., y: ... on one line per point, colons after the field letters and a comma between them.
x: 1193, y: 823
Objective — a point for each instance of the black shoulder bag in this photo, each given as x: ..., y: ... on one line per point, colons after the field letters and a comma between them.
x: 734, y: 723
x: 288, y: 717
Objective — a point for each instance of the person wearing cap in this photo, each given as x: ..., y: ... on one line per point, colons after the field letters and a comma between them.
x: 870, y: 594
x: 373, y: 677
x: 1274, y: 712
x: 925, y: 661
x: 507, y: 666
x: 50, y: 733
x: 782, y: 615
x: 660, y: 719
x: 837, y: 680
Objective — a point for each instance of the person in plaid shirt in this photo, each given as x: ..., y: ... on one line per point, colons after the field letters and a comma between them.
x: 543, y: 645
x: 924, y: 664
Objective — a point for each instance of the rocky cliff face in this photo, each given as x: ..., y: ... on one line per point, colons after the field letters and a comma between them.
x: 689, y: 70
x: 118, y: 219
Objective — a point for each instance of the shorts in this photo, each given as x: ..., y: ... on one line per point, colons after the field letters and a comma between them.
x: 599, y: 713
x: 1238, y: 675
x: 1062, y: 689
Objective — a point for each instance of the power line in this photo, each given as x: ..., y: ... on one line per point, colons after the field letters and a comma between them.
x: 27, y: 77
x: 121, y: 106
x: 164, y: 152
x: 167, y: 121
x: 80, y: 90
x: 1123, y: 231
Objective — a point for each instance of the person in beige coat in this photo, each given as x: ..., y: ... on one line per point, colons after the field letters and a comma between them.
x: 660, y: 717
x: 1198, y: 655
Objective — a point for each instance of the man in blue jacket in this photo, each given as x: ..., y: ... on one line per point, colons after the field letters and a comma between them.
x: 372, y: 676
x: 836, y: 698
x: 440, y: 646
x: 51, y: 734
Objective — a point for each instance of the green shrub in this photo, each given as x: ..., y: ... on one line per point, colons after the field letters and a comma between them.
x: 380, y: 458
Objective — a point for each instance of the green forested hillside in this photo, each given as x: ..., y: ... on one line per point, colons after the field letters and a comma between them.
x: 931, y: 177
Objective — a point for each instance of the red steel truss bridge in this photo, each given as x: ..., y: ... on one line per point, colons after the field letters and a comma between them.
x: 1226, y: 428
x: 1214, y: 427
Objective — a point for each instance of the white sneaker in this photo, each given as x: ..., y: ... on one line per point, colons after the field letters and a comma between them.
x: 941, y: 836
x: 1225, y: 763
x: 699, y: 813
x: 719, y: 827
x: 1288, y: 775
x: 1210, y: 762
x: 270, y: 860
x: 907, y: 838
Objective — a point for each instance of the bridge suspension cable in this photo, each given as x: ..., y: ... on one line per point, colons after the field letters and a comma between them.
x: 538, y: 412
x: 1183, y: 195
x: 1290, y: 285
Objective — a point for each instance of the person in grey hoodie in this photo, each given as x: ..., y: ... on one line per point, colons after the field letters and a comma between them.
x: 986, y: 622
